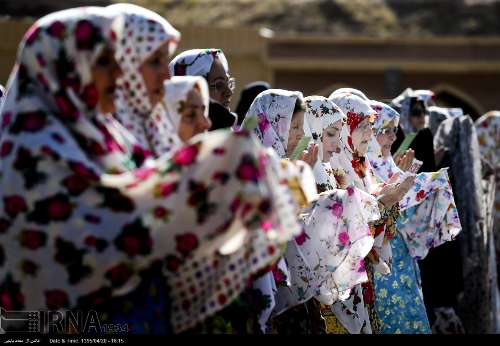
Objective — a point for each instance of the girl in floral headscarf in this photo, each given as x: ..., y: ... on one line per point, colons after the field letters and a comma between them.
x: 143, y: 57
x: 428, y: 218
x: 355, y: 169
x: 83, y: 221
x: 186, y: 106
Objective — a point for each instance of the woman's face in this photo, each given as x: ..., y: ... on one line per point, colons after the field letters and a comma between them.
x: 154, y: 70
x: 193, y: 120
x: 331, y: 140
x: 218, y: 82
x: 296, y: 132
x: 105, y: 72
x: 361, y: 136
x: 386, y: 137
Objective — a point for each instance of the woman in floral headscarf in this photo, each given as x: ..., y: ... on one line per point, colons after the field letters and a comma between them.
x: 212, y: 65
x: 143, y: 57
x: 83, y: 220
x: 428, y: 218
x: 358, y: 313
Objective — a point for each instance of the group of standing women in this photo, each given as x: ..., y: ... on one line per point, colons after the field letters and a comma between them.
x: 115, y: 198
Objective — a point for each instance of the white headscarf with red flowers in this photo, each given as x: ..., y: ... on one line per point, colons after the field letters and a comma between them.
x: 81, y: 217
x: 356, y: 110
x: 197, y: 62
x: 145, y: 31
x: 429, y: 214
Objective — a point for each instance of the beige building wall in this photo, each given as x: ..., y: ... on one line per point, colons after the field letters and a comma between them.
x: 468, y: 68
x: 244, y: 49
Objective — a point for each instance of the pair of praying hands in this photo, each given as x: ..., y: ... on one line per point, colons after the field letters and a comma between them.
x: 394, y: 192
x: 310, y: 155
x: 404, y: 161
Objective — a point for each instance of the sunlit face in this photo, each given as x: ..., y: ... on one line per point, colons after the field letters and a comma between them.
x: 331, y: 140
x: 361, y: 136
x: 193, y: 120
x: 155, y: 71
x: 105, y: 72
x: 386, y: 137
x: 296, y: 132
x: 218, y: 82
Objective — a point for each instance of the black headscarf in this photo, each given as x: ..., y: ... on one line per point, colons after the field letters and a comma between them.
x: 220, y: 116
x: 248, y: 94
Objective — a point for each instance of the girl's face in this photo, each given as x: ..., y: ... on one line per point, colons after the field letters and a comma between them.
x: 296, y: 132
x: 331, y: 140
x: 361, y: 136
x: 193, y: 120
x: 105, y: 72
x: 154, y: 70
x: 386, y: 137
x: 220, y: 86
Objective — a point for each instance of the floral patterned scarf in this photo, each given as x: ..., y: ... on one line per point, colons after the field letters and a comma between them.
x: 81, y: 219
x: 356, y: 168
x: 273, y: 109
x: 429, y: 214
x: 145, y: 32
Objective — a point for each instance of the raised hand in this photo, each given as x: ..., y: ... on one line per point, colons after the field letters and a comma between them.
x: 405, y: 160
x: 310, y: 155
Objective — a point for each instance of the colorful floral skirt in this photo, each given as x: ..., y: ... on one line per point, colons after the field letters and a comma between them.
x: 399, y: 302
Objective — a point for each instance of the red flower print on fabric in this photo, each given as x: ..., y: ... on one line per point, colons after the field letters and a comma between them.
x: 353, y: 120
x: 56, y: 29
x: 185, y: 155
x: 32, y: 239
x: 420, y: 195
x: 248, y: 170
x: 14, y: 205
x: 186, y: 243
